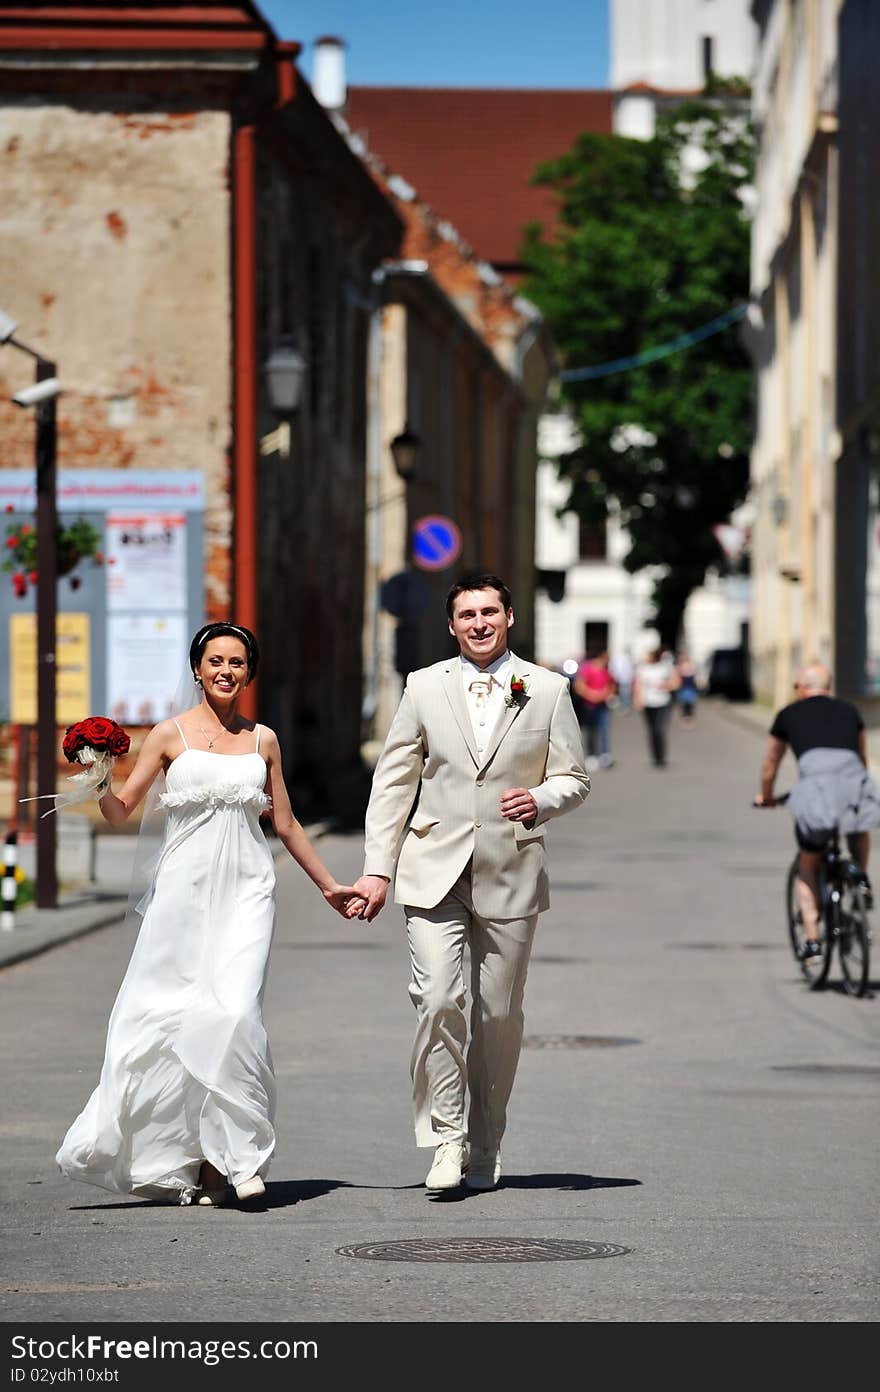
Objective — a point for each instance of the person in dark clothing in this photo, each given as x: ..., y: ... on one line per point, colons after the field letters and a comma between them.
x: 833, y: 790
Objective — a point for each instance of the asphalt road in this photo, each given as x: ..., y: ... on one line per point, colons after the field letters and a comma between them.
x: 682, y: 1095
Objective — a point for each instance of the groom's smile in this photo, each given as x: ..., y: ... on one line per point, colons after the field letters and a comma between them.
x: 480, y: 624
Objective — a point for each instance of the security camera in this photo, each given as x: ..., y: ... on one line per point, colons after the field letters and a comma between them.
x: 40, y: 391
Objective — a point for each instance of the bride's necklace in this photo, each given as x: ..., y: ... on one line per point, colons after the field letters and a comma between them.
x: 209, y: 737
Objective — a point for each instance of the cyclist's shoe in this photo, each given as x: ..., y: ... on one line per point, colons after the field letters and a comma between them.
x: 811, y: 947
x: 867, y: 892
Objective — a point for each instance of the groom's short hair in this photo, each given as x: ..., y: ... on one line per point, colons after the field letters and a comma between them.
x: 478, y: 580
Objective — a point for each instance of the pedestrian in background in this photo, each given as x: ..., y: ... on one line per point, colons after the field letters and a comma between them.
x: 688, y: 693
x: 621, y: 668
x: 595, y: 686
x: 655, y: 681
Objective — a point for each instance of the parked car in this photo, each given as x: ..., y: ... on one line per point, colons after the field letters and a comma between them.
x: 729, y: 674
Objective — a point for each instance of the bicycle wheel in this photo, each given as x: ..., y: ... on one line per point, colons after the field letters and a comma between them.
x: 813, y: 969
x: 853, y: 939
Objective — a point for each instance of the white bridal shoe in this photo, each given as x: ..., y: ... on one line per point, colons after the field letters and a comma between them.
x: 450, y: 1160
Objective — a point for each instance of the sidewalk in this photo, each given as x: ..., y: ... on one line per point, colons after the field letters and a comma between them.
x: 754, y: 715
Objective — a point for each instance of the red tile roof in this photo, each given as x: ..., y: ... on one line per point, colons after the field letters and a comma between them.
x: 128, y: 24
x: 470, y: 152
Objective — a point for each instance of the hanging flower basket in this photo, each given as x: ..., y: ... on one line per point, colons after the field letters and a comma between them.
x: 74, y: 542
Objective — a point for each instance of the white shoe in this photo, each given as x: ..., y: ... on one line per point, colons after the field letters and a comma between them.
x: 484, y: 1170
x: 250, y: 1188
x: 450, y: 1160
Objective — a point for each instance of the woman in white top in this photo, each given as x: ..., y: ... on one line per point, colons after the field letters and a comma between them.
x: 655, y: 681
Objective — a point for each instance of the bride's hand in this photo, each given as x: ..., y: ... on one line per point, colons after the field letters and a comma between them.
x: 344, y: 899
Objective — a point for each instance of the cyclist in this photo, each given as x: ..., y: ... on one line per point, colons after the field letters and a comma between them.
x: 833, y: 788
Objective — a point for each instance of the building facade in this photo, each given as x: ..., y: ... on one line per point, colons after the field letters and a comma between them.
x: 179, y: 211
x: 813, y: 277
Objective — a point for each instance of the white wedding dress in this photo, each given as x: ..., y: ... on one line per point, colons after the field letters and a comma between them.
x: 187, y: 1072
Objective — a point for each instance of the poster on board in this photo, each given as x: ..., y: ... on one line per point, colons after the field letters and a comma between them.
x: 72, y: 684
x: 146, y: 654
x: 147, y: 561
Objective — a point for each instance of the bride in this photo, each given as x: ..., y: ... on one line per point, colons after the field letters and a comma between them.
x: 186, y: 1098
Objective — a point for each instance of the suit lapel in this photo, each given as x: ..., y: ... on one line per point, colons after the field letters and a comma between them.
x: 510, y: 713
x: 455, y: 695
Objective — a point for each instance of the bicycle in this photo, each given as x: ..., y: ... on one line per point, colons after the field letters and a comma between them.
x: 843, y: 919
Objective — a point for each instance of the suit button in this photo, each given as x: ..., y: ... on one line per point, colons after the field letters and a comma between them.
x: 480, y: 782
x: 478, y: 824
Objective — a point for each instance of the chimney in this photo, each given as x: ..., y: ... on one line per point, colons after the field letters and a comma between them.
x: 328, y: 73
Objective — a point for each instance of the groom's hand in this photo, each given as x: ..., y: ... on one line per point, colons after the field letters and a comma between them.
x: 518, y: 805
x: 372, y: 889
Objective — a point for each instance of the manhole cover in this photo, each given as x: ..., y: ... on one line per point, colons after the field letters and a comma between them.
x: 490, y: 1249
x: 576, y: 1041
x: 835, y: 1069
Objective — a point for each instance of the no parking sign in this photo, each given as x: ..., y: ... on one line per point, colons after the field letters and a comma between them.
x: 436, y: 542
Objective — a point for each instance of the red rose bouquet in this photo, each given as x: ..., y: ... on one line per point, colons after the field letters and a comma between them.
x: 93, y: 736
x: 95, y: 743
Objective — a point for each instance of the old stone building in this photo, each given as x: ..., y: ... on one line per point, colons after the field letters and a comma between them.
x: 179, y: 215
x: 464, y: 362
x: 816, y: 287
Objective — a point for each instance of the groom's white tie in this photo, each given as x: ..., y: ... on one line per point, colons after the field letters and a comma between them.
x: 481, y: 686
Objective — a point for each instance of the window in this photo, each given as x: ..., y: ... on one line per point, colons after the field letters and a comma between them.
x: 592, y: 541
x: 708, y: 65
x: 595, y: 637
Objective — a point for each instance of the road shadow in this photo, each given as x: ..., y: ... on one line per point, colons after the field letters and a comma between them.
x: 838, y: 988
x: 567, y: 1183
x: 286, y: 1193
x: 280, y: 1194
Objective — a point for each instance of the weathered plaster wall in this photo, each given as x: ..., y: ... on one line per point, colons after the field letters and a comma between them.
x: 114, y: 260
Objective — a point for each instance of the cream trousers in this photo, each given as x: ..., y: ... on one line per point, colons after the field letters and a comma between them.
x: 443, y: 1068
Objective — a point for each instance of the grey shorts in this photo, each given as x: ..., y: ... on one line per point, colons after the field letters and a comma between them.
x: 814, y: 841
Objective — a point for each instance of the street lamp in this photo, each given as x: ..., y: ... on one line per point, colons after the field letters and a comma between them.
x: 285, y: 373
x: 42, y: 396
x: 405, y: 453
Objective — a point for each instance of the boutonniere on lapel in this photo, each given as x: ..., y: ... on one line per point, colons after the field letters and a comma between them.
x: 519, y: 690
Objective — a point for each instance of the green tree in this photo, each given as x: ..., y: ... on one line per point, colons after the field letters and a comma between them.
x: 645, y: 250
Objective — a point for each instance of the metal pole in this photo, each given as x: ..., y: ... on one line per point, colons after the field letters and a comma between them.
x: 47, y: 600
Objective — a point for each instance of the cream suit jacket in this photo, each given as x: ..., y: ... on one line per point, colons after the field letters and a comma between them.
x: 434, y: 804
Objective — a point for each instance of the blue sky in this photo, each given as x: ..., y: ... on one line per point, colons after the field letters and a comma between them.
x: 457, y: 43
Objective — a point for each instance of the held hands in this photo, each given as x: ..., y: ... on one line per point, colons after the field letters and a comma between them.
x: 372, y: 890
x: 345, y: 899
x: 518, y: 805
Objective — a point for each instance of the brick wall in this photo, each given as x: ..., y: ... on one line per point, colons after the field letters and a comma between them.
x: 114, y: 259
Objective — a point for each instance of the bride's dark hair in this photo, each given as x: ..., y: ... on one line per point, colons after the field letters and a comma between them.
x: 222, y: 630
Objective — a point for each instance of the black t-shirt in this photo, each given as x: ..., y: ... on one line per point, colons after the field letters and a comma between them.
x: 818, y: 722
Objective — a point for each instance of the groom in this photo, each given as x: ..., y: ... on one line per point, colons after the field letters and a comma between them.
x: 483, y: 751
